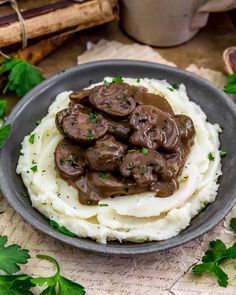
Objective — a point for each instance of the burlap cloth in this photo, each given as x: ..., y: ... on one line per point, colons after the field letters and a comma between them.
x: 168, y: 272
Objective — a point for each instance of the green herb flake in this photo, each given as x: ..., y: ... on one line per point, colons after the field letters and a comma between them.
x: 25, y: 195
x: 144, y: 171
x: 103, y: 175
x: 211, y: 157
x: 132, y: 151
x: 125, y: 187
x: 138, y: 80
x: 61, y: 229
x: 214, y: 256
x: 93, y: 117
x: 103, y: 205
x: 117, y: 79
x: 106, y: 83
x: 34, y: 168
x: 170, y: 88
x: 233, y: 224
x: 144, y: 151
x: 175, y: 86
x: 108, y: 105
x: 38, y: 122
x: 90, y: 135
x: 31, y: 138
x: 223, y: 154
x: 186, y: 177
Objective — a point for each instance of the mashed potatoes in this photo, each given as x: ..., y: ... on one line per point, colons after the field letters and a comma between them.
x: 134, y: 218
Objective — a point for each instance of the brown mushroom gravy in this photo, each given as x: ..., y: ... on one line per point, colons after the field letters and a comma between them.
x: 121, y: 140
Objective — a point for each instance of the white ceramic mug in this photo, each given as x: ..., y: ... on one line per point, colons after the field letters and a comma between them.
x: 168, y: 22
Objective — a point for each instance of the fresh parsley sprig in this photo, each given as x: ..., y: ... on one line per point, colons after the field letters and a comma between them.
x: 22, y: 76
x: 215, y: 256
x: 65, y: 286
x: 17, y: 284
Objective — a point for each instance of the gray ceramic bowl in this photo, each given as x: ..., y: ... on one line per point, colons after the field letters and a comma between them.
x: 218, y: 107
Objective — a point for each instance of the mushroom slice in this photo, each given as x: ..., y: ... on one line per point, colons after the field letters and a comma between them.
x: 69, y: 159
x: 115, y: 99
x: 106, y: 154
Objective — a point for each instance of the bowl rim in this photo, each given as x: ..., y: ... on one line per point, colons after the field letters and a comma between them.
x: 84, y: 244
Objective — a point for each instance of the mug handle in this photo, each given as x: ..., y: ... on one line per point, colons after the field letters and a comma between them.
x: 201, y: 15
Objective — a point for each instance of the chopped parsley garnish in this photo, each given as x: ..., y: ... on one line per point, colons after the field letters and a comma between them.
x: 117, y: 79
x: 173, y: 87
x: 38, y: 122
x: 186, y: 177
x: 90, y: 135
x: 108, y: 105
x: 144, y: 151
x: 25, y: 195
x: 211, y: 157
x: 103, y: 175
x: 34, y: 168
x: 93, y: 117
x: 158, y: 167
x: 61, y: 229
x: 138, y: 80
x: 125, y: 187
x: 106, y: 83
x: 3, y: 107
x: 132, y: 151
x: 144, y: 171
x: 214, y: 256
x: 70, y: 162
x: 223, y: 154
x: 31, y: 138
x: 103, y: 205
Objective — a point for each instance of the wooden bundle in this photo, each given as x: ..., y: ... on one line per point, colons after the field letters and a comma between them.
x: 45, y: 17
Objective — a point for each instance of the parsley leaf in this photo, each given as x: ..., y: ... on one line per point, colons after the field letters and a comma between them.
x: 144, y: 151
x: 3, y: 106
x: 223, y: 154
x: 213, y: 257
x: 22, y: 76
x: 16, y: 285
x: 103, y: 175
x: 103, y: 205
x: 5, y: 132
x: 211, y: 157
x: 64, y: 285
x: 12, y: 256
x: 233, y: 224
x: 117, y: 79
x: 61, y: 229
x: 106, y: 83
x: 34, y: 168
x: 93, y: 117
x: 230, y: 88
x: 31, y: 138
x: 90, y: 135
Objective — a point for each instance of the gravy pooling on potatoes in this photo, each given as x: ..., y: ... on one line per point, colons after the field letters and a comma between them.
x: 116, y: 143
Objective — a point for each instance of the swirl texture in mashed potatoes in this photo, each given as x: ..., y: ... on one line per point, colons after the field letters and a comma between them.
x: 136, y: 218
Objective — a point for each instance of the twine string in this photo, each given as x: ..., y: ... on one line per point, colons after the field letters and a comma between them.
x: 15, y: 7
